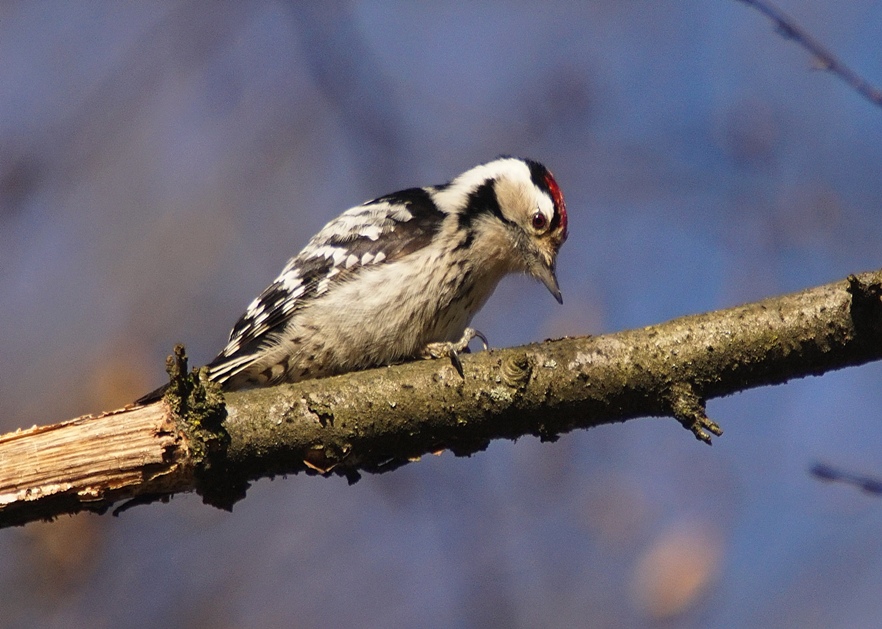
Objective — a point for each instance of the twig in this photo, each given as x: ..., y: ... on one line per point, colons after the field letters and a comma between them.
x: 826, y: 60
x: 869, y: 484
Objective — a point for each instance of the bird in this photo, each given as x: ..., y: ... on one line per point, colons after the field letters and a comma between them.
x: 398, y: 278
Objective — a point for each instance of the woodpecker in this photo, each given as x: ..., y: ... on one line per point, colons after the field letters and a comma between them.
x: 398, y: 278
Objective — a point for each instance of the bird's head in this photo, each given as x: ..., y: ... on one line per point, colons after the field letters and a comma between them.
x: 535, y: 207
x: 522, y: 208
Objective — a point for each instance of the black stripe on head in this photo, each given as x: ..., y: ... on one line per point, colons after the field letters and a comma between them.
x: 482, y: 200
x: 537, y: 174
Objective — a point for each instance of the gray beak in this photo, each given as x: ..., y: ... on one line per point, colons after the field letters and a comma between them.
x: 547, y: 276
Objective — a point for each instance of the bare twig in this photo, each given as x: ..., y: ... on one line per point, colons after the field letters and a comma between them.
x: 869, y: 484
x: 826, y: 60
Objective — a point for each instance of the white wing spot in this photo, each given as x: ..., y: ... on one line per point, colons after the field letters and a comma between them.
x: 297, y: 292
x: 379, y: 257
x: 351, y: 261
x: 339, y: 255
x: 367, y: 258
x: 370, y: 231
x: 292, y: 283
x: 322, y: 252
x: 254, y: 306
x: 401, y: 214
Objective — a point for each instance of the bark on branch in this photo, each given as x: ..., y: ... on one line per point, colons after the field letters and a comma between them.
x: 375, y: 421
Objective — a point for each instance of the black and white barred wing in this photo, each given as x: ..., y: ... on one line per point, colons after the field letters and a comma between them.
x: 377, y: 232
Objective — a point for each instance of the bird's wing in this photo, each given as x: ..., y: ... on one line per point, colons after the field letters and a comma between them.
x: 377, y: 232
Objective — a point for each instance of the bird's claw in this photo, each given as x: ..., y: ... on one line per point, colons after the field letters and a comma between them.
x: 453, y: 349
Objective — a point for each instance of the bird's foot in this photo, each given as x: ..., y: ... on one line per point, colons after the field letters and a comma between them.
x: 453, y: 349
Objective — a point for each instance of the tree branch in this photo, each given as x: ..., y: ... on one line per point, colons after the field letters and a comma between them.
x: 826, y: 60
x: 377, y: 420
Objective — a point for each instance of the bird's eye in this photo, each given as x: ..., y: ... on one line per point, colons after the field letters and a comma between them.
x: 539, y: 221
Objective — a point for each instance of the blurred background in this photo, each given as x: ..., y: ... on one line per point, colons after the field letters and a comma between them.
x: 160, y: 162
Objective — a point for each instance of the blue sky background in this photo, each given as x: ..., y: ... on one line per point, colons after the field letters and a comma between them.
x: 161, y: 161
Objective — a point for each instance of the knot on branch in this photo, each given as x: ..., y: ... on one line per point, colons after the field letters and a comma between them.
x: 516, y: 371
x: 690, y: 410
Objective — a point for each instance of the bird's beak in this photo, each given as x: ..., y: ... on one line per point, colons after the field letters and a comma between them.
x: 547, y: 276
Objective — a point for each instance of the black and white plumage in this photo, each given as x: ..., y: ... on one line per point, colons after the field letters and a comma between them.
x: 398, y: 277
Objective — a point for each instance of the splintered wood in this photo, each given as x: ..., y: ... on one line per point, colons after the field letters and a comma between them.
x: 94, y: 460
